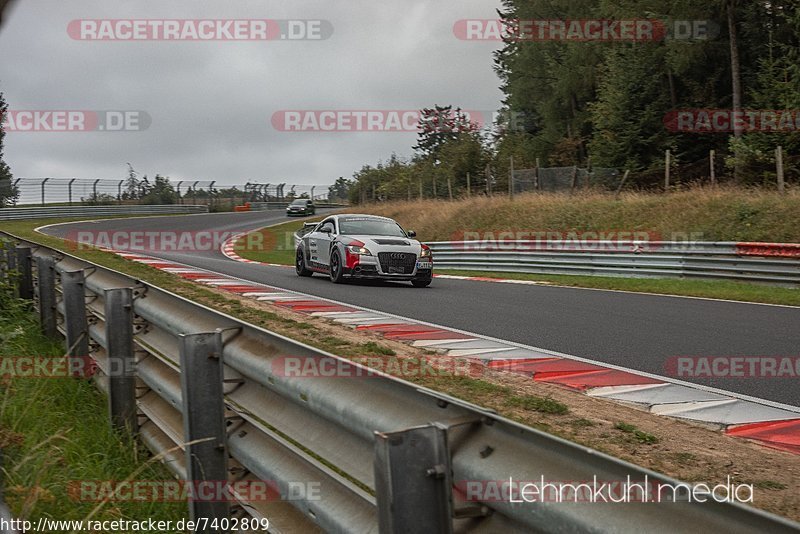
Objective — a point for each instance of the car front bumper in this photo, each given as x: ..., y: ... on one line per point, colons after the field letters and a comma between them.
x: 369, y: 267
x: 367, y: 272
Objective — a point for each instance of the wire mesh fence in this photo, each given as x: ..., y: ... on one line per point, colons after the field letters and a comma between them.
x: 98, y: 192
x: 555, y: 179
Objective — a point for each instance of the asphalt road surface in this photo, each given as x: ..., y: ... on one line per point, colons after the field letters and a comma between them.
x: 636, y: 331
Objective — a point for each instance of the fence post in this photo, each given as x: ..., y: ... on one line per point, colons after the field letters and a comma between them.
x: 588, y: 181
x: 511, y: 178
x: 413, y: 483
x: 25, y: 268
x: 75, y: 322
x: 420, y: 188
x: 43, y: 191
x: 667, y: 166
x: 69, y: 189
x: 119, y: 338
x: 449, y: 187
x: 574, y: 178
x: 538, y: 184
x: 212, y: 200
x: 712, y: 159
x: 204, y: 419
x: 488, y: 179
x: 780, y: 169
x: 46, y: 273
x: 469, y: 186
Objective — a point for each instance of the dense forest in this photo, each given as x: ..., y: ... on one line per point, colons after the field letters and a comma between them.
x: 609, y: 102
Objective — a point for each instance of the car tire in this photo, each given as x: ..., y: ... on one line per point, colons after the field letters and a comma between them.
x: 336, y: 269
x: 421, y: 283
x: 300, y: 264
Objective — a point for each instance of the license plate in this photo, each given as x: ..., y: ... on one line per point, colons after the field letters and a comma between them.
x: 424, y: 265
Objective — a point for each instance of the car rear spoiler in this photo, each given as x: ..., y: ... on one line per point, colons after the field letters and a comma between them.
x: 307, y: 227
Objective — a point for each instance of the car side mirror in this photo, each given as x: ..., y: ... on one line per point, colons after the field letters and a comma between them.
x: 327, y: 230
x: 411, y: 233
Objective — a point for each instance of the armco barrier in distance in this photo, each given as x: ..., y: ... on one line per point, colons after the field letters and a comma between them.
x: 751, y: 262
x: 14, y: 214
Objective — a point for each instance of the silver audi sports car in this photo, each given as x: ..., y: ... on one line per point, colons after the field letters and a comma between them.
x: 363, y: 246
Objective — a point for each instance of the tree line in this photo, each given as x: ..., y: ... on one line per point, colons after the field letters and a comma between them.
x: 607, y: 104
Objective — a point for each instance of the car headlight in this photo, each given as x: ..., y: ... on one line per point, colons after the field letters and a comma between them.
x: 357, y: 249
x: 426, y: 253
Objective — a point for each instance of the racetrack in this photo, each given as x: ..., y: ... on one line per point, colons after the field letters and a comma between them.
x: 636, y: 331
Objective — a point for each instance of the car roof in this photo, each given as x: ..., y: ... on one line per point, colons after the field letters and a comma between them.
x: 362, y: 216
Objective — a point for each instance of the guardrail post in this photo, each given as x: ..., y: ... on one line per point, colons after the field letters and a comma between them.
x: 204, y: 419
x: 121, y: 362
x: 11, y: 267
x: 75, y: 322
x: 413, y: 481
x: 24, y: 266
x: 46, y: 274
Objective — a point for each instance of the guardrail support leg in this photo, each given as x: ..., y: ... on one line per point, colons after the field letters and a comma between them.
x: 204, y: 430
x: 25, y: 268
x: 413, y: 481
x: 46, y: 273
x: 121, y: 362
x: 11, y: 267
x: 75, y: 323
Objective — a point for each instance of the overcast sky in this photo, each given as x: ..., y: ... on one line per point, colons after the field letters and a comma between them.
x: 211, y: 103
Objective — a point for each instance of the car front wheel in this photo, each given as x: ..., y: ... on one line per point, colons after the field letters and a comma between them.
x: 337, y: 273
x: 300, y: 264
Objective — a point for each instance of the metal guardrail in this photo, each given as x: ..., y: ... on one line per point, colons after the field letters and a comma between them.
x: 385, y: 455
x: 262, y: 206
x: 15, y: 214
x: 708, y: 260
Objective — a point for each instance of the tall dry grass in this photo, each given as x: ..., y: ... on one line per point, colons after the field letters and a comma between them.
x: 716, y: 214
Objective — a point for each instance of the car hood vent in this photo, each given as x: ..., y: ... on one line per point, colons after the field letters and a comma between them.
x: 392, y: 242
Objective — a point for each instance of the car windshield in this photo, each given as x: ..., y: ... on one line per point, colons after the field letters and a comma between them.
x: 299, y: 203
x: 363, y: 226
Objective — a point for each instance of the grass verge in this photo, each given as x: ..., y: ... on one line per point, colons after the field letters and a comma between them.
x: 55, y: 432
x: 274, y: 244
